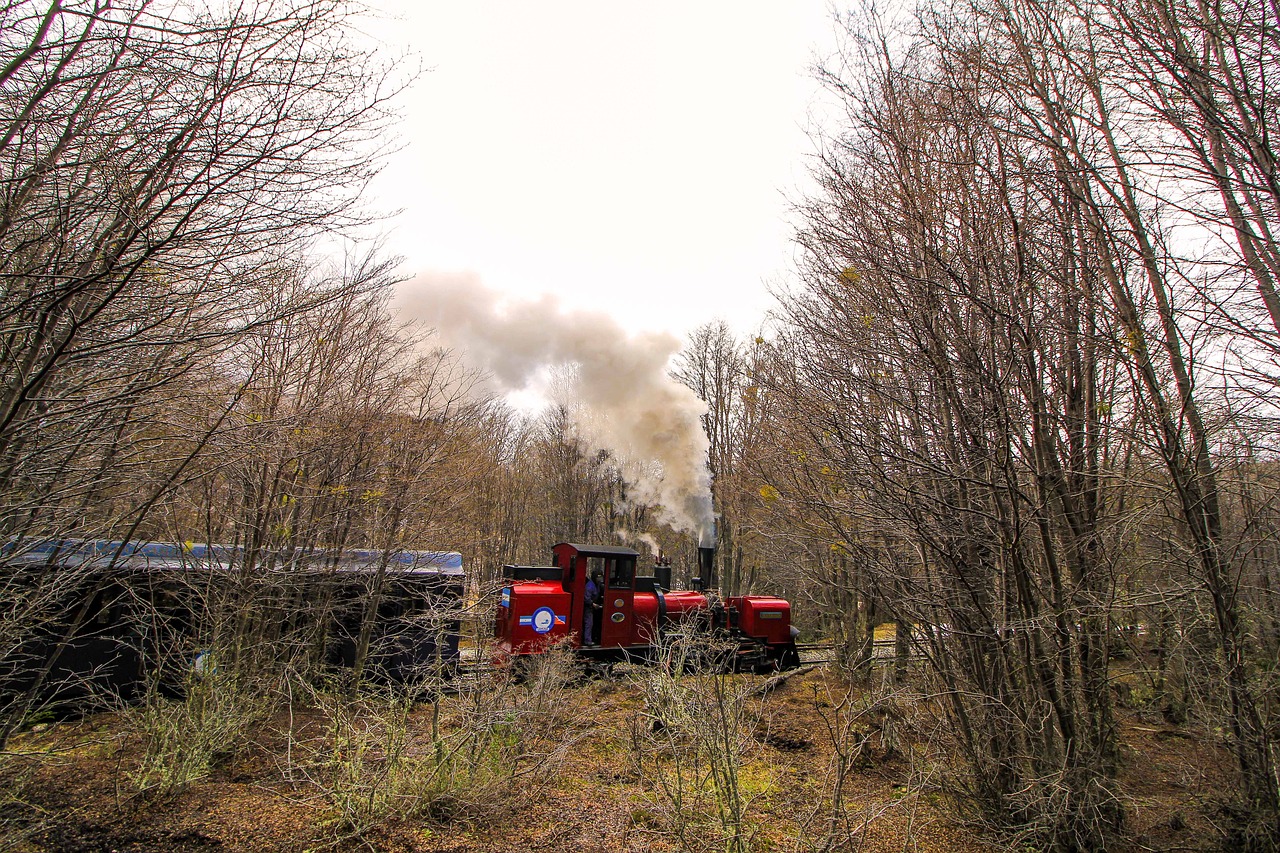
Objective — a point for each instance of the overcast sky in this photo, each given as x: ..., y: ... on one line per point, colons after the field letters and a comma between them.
x: 633, y: 158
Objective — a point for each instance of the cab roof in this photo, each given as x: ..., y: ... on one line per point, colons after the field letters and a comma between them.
x: 599, y: 550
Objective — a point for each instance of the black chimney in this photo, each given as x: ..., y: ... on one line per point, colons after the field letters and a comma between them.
x: 707, y: 567
x: 662, y: 572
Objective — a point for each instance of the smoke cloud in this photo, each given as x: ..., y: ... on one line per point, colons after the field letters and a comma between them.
x: 631, y: 407
x: 644, y: 539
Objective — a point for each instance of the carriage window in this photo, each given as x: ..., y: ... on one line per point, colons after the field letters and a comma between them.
x: 621, y: 572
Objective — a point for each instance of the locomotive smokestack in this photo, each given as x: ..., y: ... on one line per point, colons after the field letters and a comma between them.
x: 707, y: 566
x: 707, y: 556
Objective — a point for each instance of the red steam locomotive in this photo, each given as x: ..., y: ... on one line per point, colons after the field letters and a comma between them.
x: 545, y: 605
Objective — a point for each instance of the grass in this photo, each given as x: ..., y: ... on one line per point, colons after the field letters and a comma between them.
x: 483, y: 771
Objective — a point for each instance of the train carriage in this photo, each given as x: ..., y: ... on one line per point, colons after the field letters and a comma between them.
x: 115, y: 618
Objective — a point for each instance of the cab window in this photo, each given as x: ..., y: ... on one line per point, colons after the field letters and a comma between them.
x: 621, y: 573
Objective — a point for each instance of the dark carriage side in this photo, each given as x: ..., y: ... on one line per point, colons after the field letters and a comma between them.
x: 93, y: 622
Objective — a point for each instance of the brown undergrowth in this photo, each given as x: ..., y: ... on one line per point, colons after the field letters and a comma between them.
x: 554, y: 761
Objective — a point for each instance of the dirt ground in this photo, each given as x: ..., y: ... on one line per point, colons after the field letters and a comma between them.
x: 591, y: 770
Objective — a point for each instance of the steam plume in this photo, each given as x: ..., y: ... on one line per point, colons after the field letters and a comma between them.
x: 645, y: 539
x: 634, y: 408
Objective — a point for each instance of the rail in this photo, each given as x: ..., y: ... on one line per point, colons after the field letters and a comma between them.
x: 471, y: 666
x: 821, y: 653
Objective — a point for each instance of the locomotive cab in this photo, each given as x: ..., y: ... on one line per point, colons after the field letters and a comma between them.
x: 547, y: 604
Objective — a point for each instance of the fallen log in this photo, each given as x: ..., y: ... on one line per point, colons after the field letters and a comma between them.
x: 781, y: 678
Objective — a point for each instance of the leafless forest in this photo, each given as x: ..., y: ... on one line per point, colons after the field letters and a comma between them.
x: 1021, y: 400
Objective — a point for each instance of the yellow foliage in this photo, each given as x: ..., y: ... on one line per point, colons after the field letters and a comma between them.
x: 1133, y: 340
x: 769, y: 493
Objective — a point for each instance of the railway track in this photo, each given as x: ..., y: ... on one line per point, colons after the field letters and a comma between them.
x: 472, y: 669
x: 820, y: 653
x: 815, y: 653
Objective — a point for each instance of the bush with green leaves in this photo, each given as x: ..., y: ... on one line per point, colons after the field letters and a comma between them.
x: 185, y: 738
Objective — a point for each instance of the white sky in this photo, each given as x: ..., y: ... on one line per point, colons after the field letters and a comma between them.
x: 635, y: 158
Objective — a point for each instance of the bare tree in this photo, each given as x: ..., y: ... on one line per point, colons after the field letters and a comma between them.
x: 162, y: 173
x: 944, y: 360
x: 1019, y: 339
x: 1067, y: 80
x: 159, y: 175
x: 713, y: 366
